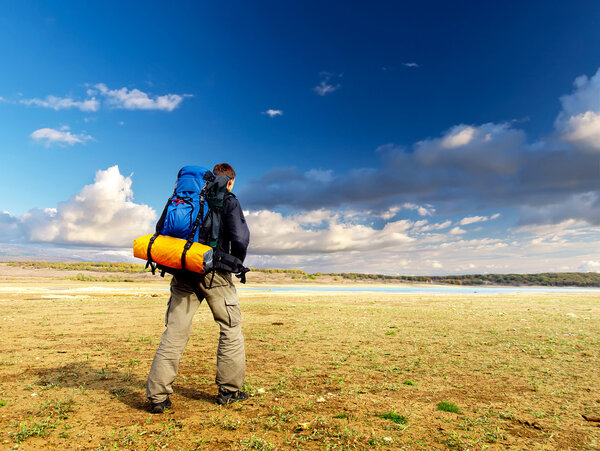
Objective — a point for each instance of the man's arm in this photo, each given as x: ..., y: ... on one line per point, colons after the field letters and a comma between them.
x: 235, y: 227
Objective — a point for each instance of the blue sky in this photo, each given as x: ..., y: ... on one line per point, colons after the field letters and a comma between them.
x: 416, y: 138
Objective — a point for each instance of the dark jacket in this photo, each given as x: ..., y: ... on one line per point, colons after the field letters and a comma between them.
x: 235, y: 235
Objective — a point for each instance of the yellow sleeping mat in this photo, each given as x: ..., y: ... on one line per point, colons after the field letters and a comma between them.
x: 167, y: 251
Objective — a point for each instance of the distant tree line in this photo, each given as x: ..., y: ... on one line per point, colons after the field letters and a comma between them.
x: 561, y: 279
x: 553, y: 279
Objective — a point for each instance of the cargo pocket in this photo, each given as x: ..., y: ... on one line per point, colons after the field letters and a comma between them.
x: 232, y: 304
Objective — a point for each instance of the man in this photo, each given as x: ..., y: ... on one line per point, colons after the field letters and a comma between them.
x: 187, y: 292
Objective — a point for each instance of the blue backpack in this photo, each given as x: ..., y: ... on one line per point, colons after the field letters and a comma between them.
x: 184, y: 211
x: 193, y: 213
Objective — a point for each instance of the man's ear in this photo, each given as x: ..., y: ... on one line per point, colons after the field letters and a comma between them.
x: 230, y: 184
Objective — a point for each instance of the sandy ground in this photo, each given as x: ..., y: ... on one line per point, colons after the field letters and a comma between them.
x: 322, y: 369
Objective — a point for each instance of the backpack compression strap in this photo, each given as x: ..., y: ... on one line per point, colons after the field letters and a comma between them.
x: 190, y: 239
x: 150, y: 262
x: 159, y: 225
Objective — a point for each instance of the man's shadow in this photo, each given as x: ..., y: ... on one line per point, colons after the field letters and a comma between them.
x: 122, y: 386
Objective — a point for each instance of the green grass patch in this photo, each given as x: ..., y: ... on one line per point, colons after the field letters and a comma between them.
x: 408, y: 382
x: 34, y: 429
x: 342, y: 415
x: 256, y: 443
x: 395, y: 417
x: 446, y: 406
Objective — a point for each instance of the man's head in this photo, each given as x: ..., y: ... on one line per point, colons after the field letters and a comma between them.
x: 225, y: 169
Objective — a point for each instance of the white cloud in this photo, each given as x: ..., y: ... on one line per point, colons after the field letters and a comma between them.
x: 123, y: 98
x: 274, y: 233
x: 135, y: 99
x: 101, y: 214
x: 50, y: 136
x: 458, y: 136
x: 325, y: 88
x: 273, y: 113
x: 423, y: 210
x: 389, y: 213
x: 583, y: 130
x: 569, y: 236
x: 328, y: 241
x: 585, y: 97
x: 327, y: 85
x: 579, y: 121
x: 62, y: 103
x: 457, y: 231
x: 434, y: 227
x: 474, y: 219
x: 410, y: 64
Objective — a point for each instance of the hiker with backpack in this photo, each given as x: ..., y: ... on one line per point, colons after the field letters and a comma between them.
x: 223, y: 230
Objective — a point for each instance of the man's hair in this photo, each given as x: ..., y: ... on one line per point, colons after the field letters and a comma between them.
x: 224, y: 169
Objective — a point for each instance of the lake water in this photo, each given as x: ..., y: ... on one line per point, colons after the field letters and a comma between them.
x: 452, y: 289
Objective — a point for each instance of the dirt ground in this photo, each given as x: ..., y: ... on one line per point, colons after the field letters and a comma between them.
x: 343, y: 371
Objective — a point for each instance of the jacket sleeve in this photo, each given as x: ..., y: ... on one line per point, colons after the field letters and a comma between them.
x: 236, y: 228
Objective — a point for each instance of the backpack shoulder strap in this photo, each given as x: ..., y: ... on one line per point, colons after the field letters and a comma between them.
x: 161, y: 220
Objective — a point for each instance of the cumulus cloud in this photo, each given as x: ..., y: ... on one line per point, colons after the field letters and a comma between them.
x: 274, y: 233
x: 62, y: 103
x: 333, y: 240
x: 466, y: 162
x: 582, y: 130
x: 467, y: 168
x: 135, y: 99
x: 328, y: 84
x: 579, y: 121
x: 62, y: 137
x: 100, y: 214
x: 273, y: 113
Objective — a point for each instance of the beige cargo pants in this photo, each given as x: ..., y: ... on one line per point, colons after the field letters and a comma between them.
x: 186, y: 296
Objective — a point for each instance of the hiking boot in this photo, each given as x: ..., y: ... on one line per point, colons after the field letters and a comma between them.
x: 227, y: 397
x: 160, y: 407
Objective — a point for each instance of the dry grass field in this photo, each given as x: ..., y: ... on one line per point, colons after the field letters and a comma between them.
x: 326, y: 371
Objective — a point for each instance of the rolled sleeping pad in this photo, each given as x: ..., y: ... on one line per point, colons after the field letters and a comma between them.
x: 167, y: 251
